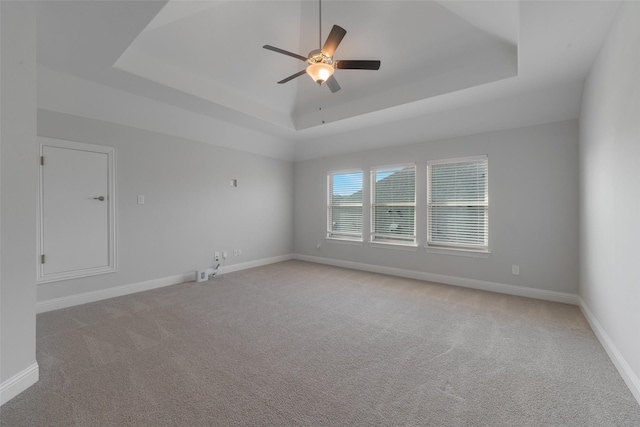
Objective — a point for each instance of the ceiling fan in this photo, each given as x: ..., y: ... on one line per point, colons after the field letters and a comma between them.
x: 321, y: 63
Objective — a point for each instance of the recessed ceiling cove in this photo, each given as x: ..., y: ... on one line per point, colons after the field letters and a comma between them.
x: 213, y: 50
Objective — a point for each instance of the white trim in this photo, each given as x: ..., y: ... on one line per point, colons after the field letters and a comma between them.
x: 458, y: 252
x: 86, y: 297
x: 372, y: 169
x: 346, y: 171
x: 329, y: 193
x: 252, y: 264
x: 625, y: 371
x: 72, y: 274
x: 112, y: 266
x: 19, y: 383
x: 393, y: 245
x: 502, y: 288
x: 344, y: 241
x: 23, y: 380
x: 117, y: 291
x: 431, y: 204
x: 373, y: 234
x: 458, y: 159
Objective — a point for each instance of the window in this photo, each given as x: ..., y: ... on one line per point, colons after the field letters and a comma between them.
x: 458, y: 203
x: 344, y: 207
x: 393, y: 204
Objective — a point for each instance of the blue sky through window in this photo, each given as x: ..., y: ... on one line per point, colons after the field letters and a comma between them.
x: 382, y: 175
x: 346, y: 184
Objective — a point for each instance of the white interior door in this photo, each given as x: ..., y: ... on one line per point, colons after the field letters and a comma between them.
x: 77, y: 236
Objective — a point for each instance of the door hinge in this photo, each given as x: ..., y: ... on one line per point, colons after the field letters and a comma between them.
x: 41, y: 160
x: 42, y: 259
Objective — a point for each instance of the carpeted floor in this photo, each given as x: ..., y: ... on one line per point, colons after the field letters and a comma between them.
x: 296, y: 343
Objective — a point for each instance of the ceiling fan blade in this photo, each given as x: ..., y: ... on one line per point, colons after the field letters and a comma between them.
x: 358, y: 65
x: 332, y: 84
x: 335, y: 37
x: 285, y: 52
x: 293, y: 76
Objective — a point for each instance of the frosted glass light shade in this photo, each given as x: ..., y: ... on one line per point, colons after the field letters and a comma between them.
x: 320, y: 72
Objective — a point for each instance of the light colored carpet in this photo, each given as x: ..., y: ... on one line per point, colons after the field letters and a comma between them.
x: 298, y: 344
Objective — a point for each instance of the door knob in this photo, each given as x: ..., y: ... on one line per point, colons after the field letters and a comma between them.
x: 101, y: 198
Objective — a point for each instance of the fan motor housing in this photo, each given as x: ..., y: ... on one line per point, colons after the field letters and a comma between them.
x: 316, y: 56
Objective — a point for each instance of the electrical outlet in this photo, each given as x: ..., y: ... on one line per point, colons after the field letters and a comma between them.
x: 515, y: 270
x: 224, y: 254
x: 239, y: 251
x: 216, y: 256
x: 204, y: 275
x: 235, y: 252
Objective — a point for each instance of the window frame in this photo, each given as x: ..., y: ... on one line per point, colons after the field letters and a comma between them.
x: 458, y: 247
x: 382, y: 238
x: 343, y: 236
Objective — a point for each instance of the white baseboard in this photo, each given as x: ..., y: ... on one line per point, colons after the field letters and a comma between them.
x: 19, y: 383
x: 23, y: 380
x: 252, y: 264
x: 117, y: 291
x: 86, y: 297
x: 627, y: 374
x: 449, y: 280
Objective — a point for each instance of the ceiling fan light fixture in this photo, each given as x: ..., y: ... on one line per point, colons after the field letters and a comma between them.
x: 320, y: 72
x: 321, y: 64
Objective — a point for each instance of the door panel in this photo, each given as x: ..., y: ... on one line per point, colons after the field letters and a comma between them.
x: 76, y: 236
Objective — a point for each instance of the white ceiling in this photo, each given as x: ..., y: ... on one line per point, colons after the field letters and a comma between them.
x: 449, y: 68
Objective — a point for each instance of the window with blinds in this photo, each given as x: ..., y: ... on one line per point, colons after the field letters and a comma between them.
x: 458, y: 203
x: 344, y: 207
x: 393, y: 204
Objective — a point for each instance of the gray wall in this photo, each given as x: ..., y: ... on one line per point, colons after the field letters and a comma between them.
x: 533, y: 213
x: 610, y: 189
x: 19, y: 172
x: 190, y: 210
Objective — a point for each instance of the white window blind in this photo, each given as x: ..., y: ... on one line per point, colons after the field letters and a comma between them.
x: 344, y: 207
x: 393, y: 204
x: 458, y: 203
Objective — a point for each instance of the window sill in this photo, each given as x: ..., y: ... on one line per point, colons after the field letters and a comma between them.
x: 343, y: 241
x: 458, y: 252
x: 400, y: 246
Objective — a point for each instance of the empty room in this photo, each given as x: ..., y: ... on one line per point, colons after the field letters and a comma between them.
x: 319, y: 213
